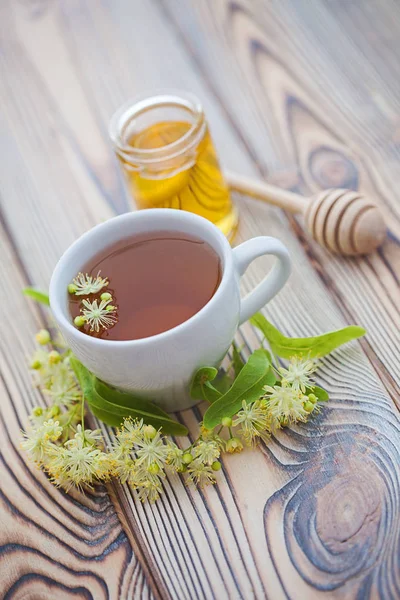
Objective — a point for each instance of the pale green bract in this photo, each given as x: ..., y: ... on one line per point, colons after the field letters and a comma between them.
x: 37, y: 295
x: 309, y: 347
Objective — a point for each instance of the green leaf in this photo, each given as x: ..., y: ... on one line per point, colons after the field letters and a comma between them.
x: 201, y: 388
x: 237, y: 361
x: 106, y: 417
x: 247, y: 386
x: 125, y: 399
x: 112, y: 406
x: 311, y: 347
x: 37, y: 295
x: 321, y: 394
x: 84, y: 376
x: 168, y: 425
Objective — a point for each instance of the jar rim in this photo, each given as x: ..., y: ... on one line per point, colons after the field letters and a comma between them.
x: 139, y: 104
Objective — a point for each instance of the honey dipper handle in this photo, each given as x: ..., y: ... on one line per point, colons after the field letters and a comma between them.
x: 270, y: 193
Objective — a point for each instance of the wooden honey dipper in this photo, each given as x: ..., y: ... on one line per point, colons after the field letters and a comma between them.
x: 341, y: 220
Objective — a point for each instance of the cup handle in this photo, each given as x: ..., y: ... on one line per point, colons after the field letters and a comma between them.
x: 243, y: 255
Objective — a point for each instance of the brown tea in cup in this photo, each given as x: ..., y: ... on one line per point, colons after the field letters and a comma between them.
x: 157, y: 280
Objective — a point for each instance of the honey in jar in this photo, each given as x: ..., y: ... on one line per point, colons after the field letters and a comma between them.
x: 168, y: 157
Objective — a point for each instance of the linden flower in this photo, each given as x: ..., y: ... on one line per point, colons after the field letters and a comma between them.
x: 37, y: 441
x: 38, y: 416
x: 200, y: 474
x: 43, y: 369
x: 77, y: 462
x: 285, y: 403
x: 174, y: 457
x: 91, y: 436
x: 209, y: 435
x: 298, y: 374
x: 51, y: 430
x: 148, y: 485
x: 104, y: 466
x: 59, y: 480
x: 207, y: 451
x: 254, y: 420
x: 151, y: 450
x: 87, y: 284
x: 64, y: 389
x: 234, y: 445
x: 39, y: 359
x: 99, y: 315
x: 124, y: 468
x: 149, y: 491
x: 130, y: 433
x: 120, y: 450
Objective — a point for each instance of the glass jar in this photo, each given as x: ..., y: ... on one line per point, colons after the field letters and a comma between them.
x: 169, y: 160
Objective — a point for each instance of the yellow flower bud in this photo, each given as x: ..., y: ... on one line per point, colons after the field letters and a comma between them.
x: 226, y: 422
x: 216, y: 465
x: 54, y: 357
x: 234, y: 445
x: 79, y: 321
x: 154, y: 469
x: 187, y: 458
x: 43, y: 337
x: 72, y: 288
x: 149, y: 431
x: 204, y: 431
x: 105, y: 296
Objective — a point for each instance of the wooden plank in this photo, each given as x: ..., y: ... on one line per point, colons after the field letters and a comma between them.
x: 315, y: 513
x: 295, y: 107
x: 26, y: 178
x: 52, y: 544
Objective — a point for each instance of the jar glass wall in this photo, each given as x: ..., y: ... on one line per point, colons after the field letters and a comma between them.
x: 169, y: 160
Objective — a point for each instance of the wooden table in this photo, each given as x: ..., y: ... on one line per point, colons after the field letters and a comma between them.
x: 305, y: 93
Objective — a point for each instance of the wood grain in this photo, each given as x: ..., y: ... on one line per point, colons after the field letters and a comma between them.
x: 52, y: 545
x: 315, y: 514
x: 300, y: 108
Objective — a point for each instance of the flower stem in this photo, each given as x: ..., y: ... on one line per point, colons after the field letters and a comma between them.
x: 68, y: 425
x: 275, y: 359
x: 276, y: 370
x: 191, y: 445
x: 83, y: 414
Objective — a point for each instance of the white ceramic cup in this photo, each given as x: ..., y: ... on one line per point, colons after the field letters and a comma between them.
x: 161, y: 367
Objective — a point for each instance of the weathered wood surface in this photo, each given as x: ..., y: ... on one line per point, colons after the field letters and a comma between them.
x: 305, y: 92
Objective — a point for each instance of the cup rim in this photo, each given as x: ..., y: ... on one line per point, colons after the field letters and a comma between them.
x: 55, y: 291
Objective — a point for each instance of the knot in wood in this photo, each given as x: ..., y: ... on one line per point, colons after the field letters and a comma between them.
x: 331, y: 168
